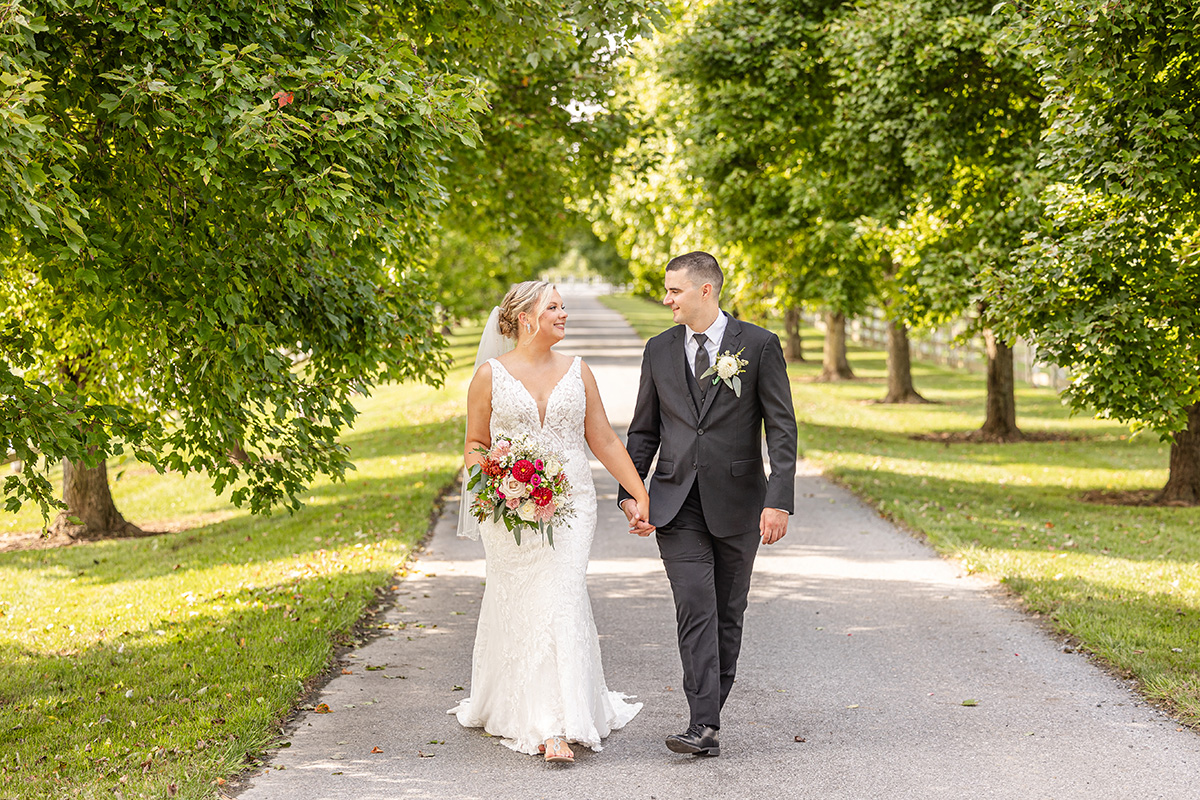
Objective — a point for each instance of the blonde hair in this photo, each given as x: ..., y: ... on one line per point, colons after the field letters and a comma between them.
x: 529, y: 297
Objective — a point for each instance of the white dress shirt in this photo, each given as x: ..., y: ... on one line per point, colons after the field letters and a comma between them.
x: 714, y: 332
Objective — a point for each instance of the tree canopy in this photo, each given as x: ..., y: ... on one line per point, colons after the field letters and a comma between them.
x: 1109, y: 286
x: 211, y: 215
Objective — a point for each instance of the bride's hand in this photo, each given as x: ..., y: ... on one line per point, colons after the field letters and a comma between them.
x: 638, y: 516
x: 643, y: 507
x: 643, y: 526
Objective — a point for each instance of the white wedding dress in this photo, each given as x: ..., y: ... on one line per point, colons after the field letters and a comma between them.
x: 536, y: 670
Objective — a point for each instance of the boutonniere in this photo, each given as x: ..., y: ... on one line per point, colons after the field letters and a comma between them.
x: 728, y: 367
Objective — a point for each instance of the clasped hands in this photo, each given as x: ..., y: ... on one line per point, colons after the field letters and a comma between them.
x: 772, y: 525
x: 638, y: 516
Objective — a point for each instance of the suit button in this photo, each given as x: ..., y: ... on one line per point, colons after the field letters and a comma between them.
x: 700, y: 431
x: 693, y: 465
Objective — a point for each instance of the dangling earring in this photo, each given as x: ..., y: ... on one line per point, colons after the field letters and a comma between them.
x: 527, y: 327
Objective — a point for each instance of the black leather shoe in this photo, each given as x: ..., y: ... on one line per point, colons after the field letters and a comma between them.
x: 699, y: 740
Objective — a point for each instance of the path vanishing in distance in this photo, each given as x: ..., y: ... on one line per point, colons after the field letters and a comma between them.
x: 861, y: 645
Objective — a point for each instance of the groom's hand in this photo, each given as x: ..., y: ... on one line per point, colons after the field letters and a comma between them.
x: 772, y: 525
x: 636, y: 524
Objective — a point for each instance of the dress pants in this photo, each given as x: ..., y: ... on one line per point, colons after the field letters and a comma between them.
x: 710, y: 580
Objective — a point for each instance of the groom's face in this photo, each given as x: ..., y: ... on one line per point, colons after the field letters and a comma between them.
x: 686, y: 298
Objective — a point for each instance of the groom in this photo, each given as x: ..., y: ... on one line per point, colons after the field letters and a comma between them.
x: 709, y: 498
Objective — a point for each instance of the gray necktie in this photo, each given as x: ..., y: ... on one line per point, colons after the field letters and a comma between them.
x: 701, y: 362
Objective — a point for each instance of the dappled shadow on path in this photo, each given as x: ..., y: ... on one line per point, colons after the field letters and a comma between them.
x: 865, y: 653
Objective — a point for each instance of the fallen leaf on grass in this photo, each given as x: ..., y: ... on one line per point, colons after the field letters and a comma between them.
x: 970, y: 702
x: 322, y: 708
x: 347, y: 671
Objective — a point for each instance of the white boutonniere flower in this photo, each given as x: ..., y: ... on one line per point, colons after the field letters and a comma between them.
x: 728, y: 367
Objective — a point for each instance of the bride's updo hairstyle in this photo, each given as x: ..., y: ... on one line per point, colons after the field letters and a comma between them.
x: 530, y: 297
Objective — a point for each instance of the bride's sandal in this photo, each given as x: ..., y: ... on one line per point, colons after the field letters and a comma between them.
x: 557, y: 751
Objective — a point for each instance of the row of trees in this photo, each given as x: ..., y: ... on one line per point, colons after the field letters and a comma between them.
x: 221, y: 221
x: 1031, y: 168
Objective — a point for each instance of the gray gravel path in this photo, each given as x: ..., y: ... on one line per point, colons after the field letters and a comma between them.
x: 860, y: 641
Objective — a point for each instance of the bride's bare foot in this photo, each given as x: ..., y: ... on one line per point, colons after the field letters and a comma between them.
x: 557, y: 751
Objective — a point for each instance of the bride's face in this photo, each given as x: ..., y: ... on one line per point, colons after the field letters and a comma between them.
x: 553, y: 321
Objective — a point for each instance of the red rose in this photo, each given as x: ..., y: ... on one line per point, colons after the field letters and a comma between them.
x: 523, y: 470
x: 542, y: 495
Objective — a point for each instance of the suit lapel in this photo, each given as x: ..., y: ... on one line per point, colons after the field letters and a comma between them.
x: 729, y: 343
x: 678, y: 365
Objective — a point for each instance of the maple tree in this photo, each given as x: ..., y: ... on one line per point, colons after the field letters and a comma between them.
x: 211, y: 218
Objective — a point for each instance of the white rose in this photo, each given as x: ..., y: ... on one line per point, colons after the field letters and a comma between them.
x: 528, y: 511
x: 513, y: 487
x: 552, y: 467
x: 727, y: 367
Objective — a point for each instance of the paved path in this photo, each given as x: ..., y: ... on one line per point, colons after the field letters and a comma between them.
x: 859, y: 640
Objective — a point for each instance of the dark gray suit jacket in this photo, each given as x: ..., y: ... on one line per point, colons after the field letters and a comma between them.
x: 721, y: 444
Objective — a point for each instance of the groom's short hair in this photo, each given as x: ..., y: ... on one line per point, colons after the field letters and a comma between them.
x: 701, y: 267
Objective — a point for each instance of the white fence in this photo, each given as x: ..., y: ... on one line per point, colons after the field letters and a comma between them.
x: 942, y: 346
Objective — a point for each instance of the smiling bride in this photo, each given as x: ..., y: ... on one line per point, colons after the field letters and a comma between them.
x: 536, y: 677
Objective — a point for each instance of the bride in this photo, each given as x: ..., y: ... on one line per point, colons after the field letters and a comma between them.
x: 536, y: 678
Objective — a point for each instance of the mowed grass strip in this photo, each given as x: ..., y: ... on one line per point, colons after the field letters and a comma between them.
x: 1123, y: 580
x: 155, y: 667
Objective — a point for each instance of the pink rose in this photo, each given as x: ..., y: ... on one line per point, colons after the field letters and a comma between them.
x: 513, y: 488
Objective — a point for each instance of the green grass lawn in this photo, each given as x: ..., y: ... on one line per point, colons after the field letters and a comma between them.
x: 1123, y: 580
x: 154, y: 667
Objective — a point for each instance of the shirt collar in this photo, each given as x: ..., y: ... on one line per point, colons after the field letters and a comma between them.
x: 714, y: 332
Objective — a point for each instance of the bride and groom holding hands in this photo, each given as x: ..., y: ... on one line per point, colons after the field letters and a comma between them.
x: 710, y: 387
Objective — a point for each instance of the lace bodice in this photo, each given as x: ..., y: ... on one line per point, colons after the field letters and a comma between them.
x: 514, y: 411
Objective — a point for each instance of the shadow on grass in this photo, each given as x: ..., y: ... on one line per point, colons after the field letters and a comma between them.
x: 958, y: 514
x: 1097, y: 451
x: 180, y: 702
x: 358, y: 502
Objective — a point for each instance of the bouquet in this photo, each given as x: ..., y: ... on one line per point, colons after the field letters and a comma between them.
x: 522, y: 484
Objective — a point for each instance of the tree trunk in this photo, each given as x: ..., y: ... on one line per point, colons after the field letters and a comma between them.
x: 1001, y: 422
x: 899, y: 366
x: 238, y: 453
x: 88, y: 499
x: 834, y: 366
x: 795, y: 347
x: 1183, y: 481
